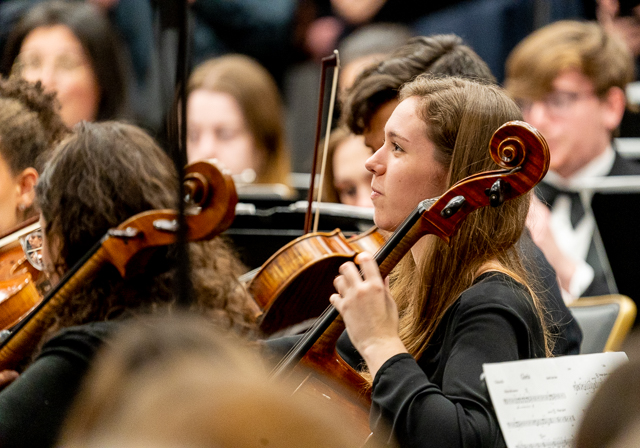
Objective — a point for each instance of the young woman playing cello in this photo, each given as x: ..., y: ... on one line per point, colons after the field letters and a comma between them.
x: 99, y: 176
x: 450, y: 308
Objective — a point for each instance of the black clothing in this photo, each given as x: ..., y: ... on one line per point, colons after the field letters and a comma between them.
x: 440, y: 399
x: 548, y: 193
x: 560, y: 322
x: 33, y: 407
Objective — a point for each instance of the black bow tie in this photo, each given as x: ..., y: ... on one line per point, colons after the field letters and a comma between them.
x: 549, y: 193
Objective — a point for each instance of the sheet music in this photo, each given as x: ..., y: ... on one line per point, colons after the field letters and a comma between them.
x: 540, y: 402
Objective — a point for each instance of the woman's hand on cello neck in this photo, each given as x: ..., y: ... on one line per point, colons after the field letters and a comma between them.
x: 369, y: 312
x: 7, y: 377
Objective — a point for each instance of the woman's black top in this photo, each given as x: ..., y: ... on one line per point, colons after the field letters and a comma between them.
x: 33, y: 407
x: 441, y: 399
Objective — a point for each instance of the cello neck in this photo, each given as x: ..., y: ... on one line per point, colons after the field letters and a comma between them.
x: 327, y: 328
x: 24, y: 338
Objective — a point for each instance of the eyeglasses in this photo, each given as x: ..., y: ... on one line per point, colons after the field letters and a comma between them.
x: 33, y: 63
x: 557, y: 103
x: 32, y: 246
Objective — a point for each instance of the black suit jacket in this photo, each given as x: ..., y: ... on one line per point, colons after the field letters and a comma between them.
x: 599, y: 285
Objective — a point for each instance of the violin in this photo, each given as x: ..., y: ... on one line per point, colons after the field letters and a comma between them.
x: 18, y: 293
x: 524, y: 156
x: 211, y: 199
x: 305, y: 267
x: 295, y: 283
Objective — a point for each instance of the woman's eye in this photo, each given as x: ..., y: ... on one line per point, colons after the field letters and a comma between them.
x: 397, y: 148
x: 29, y: 62
x: 226, y: 134
x: 346, y: 192
x: 68, y: 62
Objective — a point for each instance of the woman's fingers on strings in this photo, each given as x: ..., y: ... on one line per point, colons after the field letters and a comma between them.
x: 340, y: 284
x: 7, y: 377
x: 335, y: 301
x: 368, y: 266
x: 349, y: 271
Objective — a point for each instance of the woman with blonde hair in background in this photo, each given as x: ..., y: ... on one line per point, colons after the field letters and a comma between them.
x: 234, y: 114
x: 347, y: 181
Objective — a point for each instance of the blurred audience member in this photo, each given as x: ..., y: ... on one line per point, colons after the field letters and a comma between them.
x: 178, y: 382
x: 569, y: 78
x: 368, y: 46
x: 234, y: 114
x: 71, y: 48
x: 370, y: 104
x: 29, y: 127
x: 347, y: 181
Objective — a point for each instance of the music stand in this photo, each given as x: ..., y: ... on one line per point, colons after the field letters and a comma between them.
x: 615, y: 206
x: 258, y: 233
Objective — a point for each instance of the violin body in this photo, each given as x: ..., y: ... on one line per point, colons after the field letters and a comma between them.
x: 18, y: 296
x: 18, y: 292
x: 326, y: 374
x: 295, y: 283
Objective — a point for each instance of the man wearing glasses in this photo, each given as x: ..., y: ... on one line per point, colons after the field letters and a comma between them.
x: 569, y: 79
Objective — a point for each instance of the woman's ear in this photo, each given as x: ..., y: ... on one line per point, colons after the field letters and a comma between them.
x: 26, y: 182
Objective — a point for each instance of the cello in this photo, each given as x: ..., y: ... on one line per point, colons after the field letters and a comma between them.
x: 523, y: 154
x: 211, y: 198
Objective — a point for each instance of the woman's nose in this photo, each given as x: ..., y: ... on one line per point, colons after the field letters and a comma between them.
x: 375, y: 163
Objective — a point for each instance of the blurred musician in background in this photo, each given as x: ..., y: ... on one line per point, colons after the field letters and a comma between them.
x: 347, y: 181
x: 234, y: 114
x: 29, y: 127
x: 569, y: 78
x: 71, y: 48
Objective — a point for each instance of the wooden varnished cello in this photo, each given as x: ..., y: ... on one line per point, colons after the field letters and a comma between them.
x: 524, y: 156
x: 211, y: 199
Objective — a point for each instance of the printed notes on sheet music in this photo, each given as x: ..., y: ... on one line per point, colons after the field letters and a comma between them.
x: 540, y: 402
